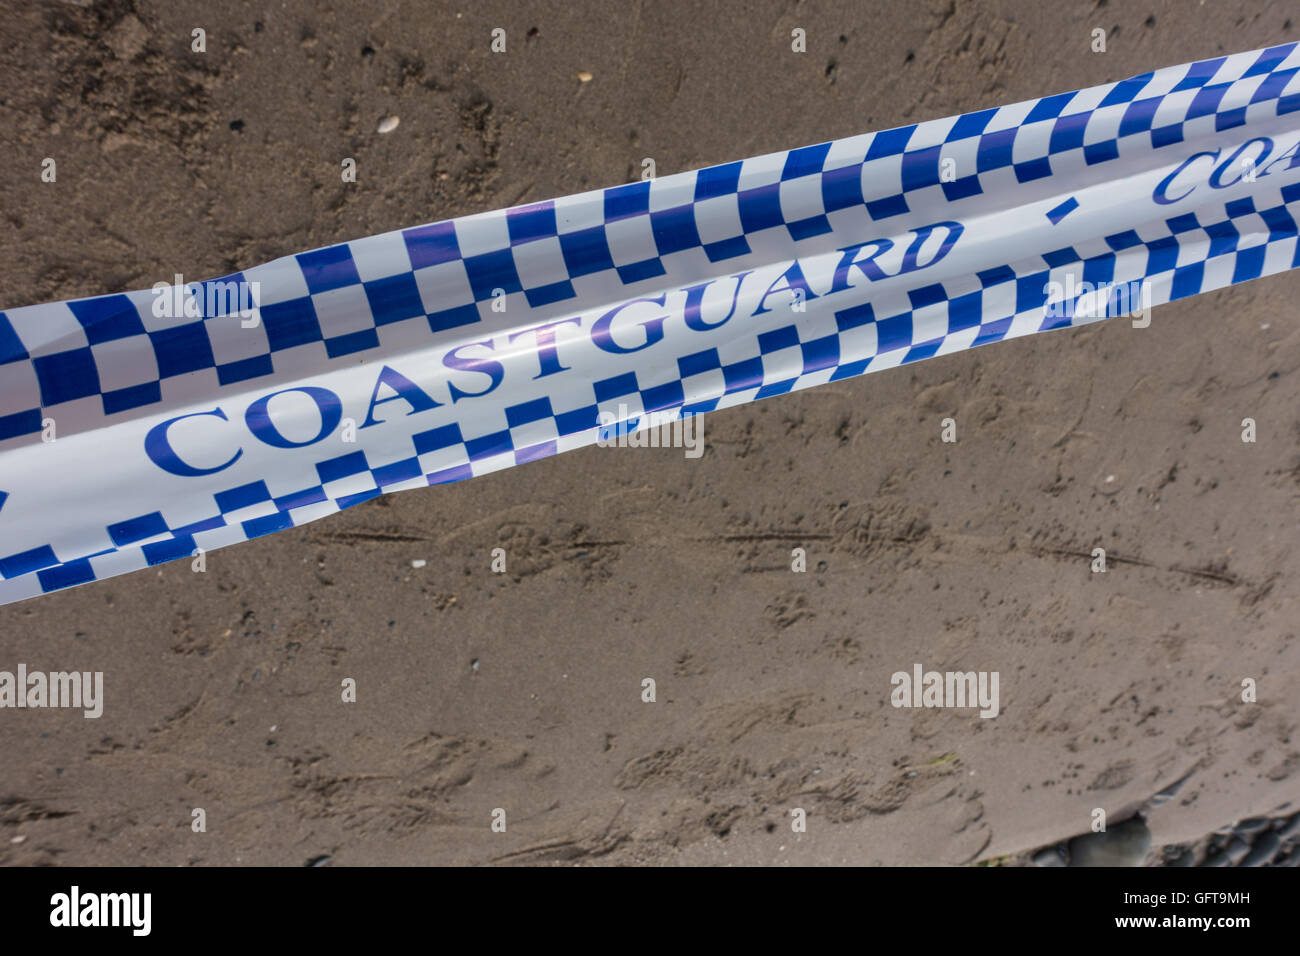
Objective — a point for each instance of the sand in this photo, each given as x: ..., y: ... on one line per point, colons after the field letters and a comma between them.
x: 523, y: 691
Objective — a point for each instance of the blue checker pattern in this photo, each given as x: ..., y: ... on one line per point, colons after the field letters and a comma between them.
x: 293, y: 322
x: 341, y: 303
x: 747, y: 379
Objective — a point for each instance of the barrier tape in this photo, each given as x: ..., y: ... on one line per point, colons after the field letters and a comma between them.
x: 141, y: 428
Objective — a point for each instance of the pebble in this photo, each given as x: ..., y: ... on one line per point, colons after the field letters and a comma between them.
x: 419, y: 563
x: 1265, y: 849
x: 584, y: 76
x: 388, y: 124
x: 1125, y: 844
x: 1049, y: 856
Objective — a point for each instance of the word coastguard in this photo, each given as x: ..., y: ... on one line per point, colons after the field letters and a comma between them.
x: 478, y: 371
x: 1249, y: 162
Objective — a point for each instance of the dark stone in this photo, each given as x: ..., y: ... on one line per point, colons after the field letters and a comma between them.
x: 1265, y: 849
x: 1049, y: 856
x: 1125, y: 844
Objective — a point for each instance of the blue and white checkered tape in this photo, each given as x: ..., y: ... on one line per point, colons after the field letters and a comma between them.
x: 184, y: 419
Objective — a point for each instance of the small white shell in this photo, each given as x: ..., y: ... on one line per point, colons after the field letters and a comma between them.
x: 388, y: 124
x: 418, y: 563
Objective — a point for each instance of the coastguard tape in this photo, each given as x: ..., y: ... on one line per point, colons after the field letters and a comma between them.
x: 142, y: 428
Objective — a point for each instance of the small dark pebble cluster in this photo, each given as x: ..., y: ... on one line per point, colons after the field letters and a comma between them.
x: 1258, y: 841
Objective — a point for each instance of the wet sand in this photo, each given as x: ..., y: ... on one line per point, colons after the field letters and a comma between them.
x: 523, y: 691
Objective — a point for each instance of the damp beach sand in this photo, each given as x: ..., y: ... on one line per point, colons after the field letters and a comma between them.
x: 523, y: 690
